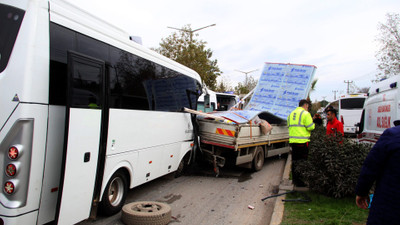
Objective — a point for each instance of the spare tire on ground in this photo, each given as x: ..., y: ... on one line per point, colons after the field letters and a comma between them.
x: 146, y: 213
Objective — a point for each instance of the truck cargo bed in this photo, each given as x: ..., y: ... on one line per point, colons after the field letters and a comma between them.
x: 238, y: 136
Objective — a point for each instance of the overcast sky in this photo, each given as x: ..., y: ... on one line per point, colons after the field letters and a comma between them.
x: 338, y: 37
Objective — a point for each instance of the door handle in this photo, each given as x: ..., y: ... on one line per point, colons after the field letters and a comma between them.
x: 86, y: 157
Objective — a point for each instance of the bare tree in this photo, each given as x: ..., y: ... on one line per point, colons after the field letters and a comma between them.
x: 388, y: 54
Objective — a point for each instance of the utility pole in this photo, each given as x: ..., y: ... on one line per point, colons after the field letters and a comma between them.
x: 348, y: 85
x: 192, y: 31
x: 245, y: 81
x: 334, y: 96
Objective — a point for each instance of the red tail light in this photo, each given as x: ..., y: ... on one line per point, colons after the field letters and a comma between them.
x: 13, y: 152
x: 9, y: 187
x: 11, y: 170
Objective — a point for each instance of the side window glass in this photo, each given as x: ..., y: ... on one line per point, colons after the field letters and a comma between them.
x: 127, y: 81
x: 164, y: 98
x: 137, y: 83
x: 92, y: 47
x: 185, y: 91
x: 86, y: 85
x: 62, y: 40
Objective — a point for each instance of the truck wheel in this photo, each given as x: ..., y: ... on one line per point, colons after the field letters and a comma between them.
x: 258, y: 160
x: 114, y: 195
x: 146, y: 213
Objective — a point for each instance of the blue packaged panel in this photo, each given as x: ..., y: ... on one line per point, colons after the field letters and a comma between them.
x: 281, y: 87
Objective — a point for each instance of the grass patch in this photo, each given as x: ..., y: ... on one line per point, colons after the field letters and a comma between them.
x: 323, y: 210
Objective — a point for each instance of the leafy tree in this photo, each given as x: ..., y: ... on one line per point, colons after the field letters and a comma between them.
x: 185, y: 49
x: 389, y: 53
x: 248, y: 85
x: 324, y: 103
x: 223, y: 86
x: 363, y: 90
x: 317, y: 105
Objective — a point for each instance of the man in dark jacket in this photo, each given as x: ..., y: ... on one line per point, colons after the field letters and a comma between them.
x: 382, y: 165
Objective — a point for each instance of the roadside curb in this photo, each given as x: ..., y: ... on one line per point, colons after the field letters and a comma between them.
x: 286, y: 185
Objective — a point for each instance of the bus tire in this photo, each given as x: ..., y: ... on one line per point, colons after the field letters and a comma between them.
x: 114, y: 194
x: 258, y: 160
x: 146, y: 213
x: 182, y: 166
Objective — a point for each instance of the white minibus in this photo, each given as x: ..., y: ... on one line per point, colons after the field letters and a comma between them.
x: 85, y: 113
x: 349, y: 109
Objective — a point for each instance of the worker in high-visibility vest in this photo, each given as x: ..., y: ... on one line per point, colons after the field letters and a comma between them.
x: 300, y: 125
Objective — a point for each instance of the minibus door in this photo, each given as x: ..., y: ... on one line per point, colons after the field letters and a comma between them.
x: 85, y: 100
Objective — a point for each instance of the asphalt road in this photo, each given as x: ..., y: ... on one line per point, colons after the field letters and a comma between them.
x: 201, y: 198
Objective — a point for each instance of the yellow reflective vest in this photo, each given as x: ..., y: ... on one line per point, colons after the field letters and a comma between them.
x: 300, y: 126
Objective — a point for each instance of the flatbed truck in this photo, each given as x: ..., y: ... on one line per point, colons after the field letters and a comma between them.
x: 242, y: 144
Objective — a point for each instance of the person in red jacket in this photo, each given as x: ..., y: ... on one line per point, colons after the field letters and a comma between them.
x: 334, y: 125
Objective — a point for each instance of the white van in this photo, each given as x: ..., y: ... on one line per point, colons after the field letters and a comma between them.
x: 381, y: 109
x: 207, y: 102
x: 211, y: 101
x: 226, y: 101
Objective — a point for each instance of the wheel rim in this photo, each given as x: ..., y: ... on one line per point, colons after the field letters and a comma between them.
x: 147, y: 207
x: 116, y: 191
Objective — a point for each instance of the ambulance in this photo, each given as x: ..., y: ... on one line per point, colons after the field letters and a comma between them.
x: 381, y: 109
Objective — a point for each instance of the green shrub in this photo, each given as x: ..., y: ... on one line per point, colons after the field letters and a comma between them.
x: 333, y: 165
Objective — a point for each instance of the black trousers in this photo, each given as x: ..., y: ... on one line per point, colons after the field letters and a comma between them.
x: 299, y: 153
